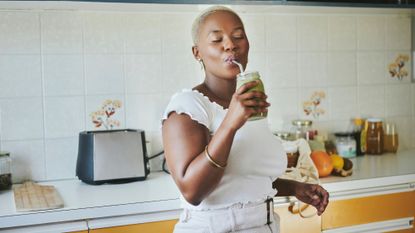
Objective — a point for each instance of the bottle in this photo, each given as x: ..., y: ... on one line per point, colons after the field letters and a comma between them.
x: 363, y: 135
x: 357, y: 134
x: 374, y: 137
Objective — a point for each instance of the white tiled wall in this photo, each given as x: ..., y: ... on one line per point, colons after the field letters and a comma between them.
x: 58, y: 66
x: 342, y: 33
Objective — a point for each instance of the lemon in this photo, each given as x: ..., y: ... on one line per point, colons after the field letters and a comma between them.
x: 337, y: 161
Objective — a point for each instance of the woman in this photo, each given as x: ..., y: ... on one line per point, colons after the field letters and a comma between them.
x: 225, y: 166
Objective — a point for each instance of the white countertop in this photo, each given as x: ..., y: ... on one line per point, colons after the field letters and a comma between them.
x: 82, y: 201
x: 374, y: 171
x: 158, y: 195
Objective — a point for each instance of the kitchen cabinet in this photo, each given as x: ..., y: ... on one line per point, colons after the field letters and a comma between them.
x: 344, y: 3
x: 354, y: 3
x: 72, y: 227
x: 402, y: 231
x: 242, y: 2
x: 292, y: 221
x: 159, y: 227
x: 393, y: 212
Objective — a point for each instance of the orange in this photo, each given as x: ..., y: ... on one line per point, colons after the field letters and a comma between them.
x: 323, y: 163
x: 337, y: 161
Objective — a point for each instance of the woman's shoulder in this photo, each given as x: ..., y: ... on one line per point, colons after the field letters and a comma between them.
x: 193, y: 104
x: 191, y: 97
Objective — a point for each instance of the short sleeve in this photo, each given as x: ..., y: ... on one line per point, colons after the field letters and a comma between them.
x: 192, y: 104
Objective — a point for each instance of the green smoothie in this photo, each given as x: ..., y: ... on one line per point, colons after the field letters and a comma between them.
x: 246, y: 77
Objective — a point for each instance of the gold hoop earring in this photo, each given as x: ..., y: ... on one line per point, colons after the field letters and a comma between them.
x: 202, y: 66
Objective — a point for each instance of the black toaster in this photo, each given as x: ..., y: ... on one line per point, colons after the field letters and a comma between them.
x: 112, y: 156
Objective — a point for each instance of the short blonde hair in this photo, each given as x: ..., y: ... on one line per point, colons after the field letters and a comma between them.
x: 200, y: 19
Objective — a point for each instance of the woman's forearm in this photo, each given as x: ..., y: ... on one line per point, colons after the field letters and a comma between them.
x: 285, y: 187
x: 221, y: 143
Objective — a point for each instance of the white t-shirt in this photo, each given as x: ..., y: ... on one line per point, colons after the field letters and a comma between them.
x: 256, y: 158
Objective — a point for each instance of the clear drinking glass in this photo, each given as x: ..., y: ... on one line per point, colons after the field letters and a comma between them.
x: 390, y: 139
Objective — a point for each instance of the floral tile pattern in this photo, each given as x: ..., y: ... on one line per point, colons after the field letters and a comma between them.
x: 397, y: 68
x: 103, y: 117
x: 311, y: 107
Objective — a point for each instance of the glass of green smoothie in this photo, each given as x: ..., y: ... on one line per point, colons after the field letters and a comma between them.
x: 245, y: 77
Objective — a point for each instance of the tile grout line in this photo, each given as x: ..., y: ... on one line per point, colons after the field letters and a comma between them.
x: 356, y: 68
x: 124, y: 59
x: 298, y: 85
x: 42, y: 81
x: 327, y: 85
x: 82, y: 15
x: 1, y: 141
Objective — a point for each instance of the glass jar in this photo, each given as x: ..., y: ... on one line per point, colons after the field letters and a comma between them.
x: 5, y: 171
x: 246, y: 77
x: 346, y: 144
x: 292, y: 154
x: 374, y: 136
x: 302, y: 129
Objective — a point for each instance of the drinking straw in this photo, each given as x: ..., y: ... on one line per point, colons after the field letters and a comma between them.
x: 239, y: 65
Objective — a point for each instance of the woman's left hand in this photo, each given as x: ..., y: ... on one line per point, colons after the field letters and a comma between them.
x: 312, y: 194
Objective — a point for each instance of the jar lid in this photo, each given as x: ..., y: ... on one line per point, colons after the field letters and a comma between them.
x: 4, y: 153
x: 374, y: 120
x: 343, y: 134
x: 302, y: 122
x: 282, y: 134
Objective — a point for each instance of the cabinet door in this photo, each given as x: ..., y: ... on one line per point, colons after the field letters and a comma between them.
x: 363, y: 210
x: 156, y: 227
x: 403, y: 231
x: 293, y: 222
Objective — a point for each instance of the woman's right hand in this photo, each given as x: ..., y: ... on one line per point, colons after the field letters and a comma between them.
x: 245, y: 104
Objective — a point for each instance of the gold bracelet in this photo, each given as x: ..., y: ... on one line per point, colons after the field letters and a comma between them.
x: 213, y: 161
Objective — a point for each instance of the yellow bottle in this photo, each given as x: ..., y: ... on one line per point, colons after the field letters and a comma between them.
x: 357, y: 134
x: 363, y: 134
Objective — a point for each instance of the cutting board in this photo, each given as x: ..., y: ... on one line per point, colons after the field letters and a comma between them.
x: 30, y: 197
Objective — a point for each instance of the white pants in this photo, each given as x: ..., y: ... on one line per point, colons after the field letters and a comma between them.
x: 242, y: 218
